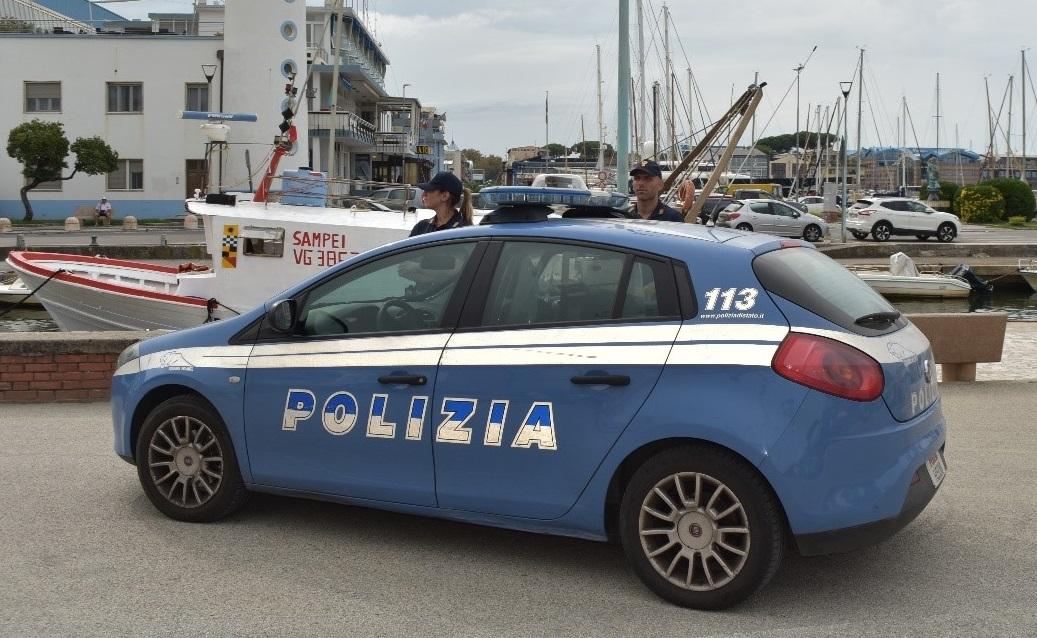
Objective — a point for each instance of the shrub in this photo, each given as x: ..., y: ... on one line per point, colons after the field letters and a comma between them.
x: 1017, y: 220
x: 980, y: 204
x: 1018, y: 197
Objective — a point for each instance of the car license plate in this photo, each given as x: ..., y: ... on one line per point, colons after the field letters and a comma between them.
x: 937, y: 470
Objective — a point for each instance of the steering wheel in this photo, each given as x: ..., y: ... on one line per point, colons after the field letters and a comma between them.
x: 407, y: 317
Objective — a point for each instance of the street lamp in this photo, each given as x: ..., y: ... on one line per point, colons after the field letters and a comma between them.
x: 405, y: 90
x: 845, y: 88
x: 210, y: 72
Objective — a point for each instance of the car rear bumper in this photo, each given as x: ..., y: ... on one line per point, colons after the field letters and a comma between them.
x: 848, y: 539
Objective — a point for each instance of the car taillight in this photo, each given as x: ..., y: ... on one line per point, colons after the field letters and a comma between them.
x: 829, y: 366
x: 865, y: 212
x: 732, y: 215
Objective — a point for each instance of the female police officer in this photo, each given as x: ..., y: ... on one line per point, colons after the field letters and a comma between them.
x: 443, y: 193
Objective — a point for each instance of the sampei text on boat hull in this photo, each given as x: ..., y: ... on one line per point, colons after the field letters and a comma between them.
x: 95, y: 293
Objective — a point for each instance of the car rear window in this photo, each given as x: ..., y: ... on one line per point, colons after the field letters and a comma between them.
x: 819, y: 284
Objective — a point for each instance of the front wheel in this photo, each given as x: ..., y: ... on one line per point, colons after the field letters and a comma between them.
x: 744, y: 226
x: 946, y: 232
x: 812, y: 233
x: 701, y: 528
x: 882, y: 231
x: 186, y: 462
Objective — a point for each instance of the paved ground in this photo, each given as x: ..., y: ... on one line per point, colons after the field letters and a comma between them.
x: 85, y: 554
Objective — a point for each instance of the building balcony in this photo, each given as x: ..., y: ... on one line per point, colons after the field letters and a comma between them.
x: 394, y: 143
x: 347, y: 127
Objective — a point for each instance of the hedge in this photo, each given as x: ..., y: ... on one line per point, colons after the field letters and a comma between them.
x: 980, y: 204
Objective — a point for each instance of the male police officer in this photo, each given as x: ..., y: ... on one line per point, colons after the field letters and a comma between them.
x: 648, y: 186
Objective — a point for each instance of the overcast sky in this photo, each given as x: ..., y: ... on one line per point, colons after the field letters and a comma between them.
x: 487, y: 63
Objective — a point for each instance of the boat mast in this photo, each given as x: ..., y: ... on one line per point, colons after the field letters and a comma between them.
x: 860, y: 103
x: 691, y: 110
x: 642, y: 88
x: 668, y: 95
x: 903, y: 145
x: 938, y: 118
x: 1008, y: 132
x: 817, y: 152
x: 990, y: 121
x: 601, y: 131
x: 547, y: 137
x: 623, y: 96
x: 1022, y: 93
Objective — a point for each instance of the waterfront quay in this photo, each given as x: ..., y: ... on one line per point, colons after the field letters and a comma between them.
x: 87, y: 555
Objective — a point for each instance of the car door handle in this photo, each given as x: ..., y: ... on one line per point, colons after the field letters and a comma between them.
x: 601, y: 379
x: 402, y: 379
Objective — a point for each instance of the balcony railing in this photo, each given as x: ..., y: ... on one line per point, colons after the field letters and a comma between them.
x: 347, y: 126
x: 395, y: 143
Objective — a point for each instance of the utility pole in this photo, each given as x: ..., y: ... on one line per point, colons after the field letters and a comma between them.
x: 623, y: 96
x: 655, y: 121
x: 860, y: 104
x: 336, y: 44
x: 668, y: 95
x: 845, y: 88
x: 642, y: 88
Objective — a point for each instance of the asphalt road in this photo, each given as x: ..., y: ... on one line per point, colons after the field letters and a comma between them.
x: 85, y: 554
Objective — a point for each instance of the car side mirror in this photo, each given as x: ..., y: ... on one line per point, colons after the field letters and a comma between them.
x: 795, y: 213
x: 282, y: 316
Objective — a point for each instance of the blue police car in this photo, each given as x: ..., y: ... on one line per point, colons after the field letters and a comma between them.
x: 708, y: 398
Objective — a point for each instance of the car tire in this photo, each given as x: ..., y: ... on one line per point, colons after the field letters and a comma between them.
x: 812, y: 233
x: 744, y: 226
x: 946, y: 232
x: 882, y: 231
x: 186, y: 461
x: 921, y: 237
x: 675, y: 539
x: 860, y: 236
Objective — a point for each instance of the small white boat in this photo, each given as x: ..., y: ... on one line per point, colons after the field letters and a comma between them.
x: 13, y: 290
x: 1028, y: 271
x: 96, y: 293
x: 903, y: 280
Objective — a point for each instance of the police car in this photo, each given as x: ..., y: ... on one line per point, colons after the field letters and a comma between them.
x: 707, y: 397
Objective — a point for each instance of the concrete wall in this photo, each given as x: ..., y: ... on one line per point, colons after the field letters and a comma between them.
x: 60, y: 367
x: 84, y: 65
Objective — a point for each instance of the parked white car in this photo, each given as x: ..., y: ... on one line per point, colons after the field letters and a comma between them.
x: 772, y: 217
x: 815, y: 204
x: 887, y: 216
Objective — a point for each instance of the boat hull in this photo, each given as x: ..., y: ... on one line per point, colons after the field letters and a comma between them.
x: 78, y: 301
x: 921, y: 286
x: 15, y: 293
x: 1030, y: 277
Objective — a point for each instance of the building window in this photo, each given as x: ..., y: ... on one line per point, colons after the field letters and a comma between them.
x: 197, y: 97
x: 127, y: 176
x: 42, y: 97
x: 125, y: 97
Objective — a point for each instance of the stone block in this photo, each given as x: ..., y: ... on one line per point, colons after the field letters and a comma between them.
x: 72, y: 224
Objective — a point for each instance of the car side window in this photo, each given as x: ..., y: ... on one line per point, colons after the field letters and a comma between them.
x: 397, y: 195
x: 782, y: 210
x: 762, y: 208
x: 401, y: 292
x: 917, y: 207
x: 549, y: 283
x: 897, y: 206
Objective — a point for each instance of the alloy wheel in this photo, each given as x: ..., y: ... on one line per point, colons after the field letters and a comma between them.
x: 185, y: 461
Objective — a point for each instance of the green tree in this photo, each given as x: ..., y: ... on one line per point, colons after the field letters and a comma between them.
x: 42, y: 150
x: 1019, y: 199
x: 981, y: 204
x: 785, y: 142
x: 490, y: 165
x: 589, y: 150
x: 14, y: 25
x: 554, y: 149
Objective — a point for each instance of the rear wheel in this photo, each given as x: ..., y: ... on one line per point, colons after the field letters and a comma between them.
x: 882, y: 231
x: 700, y: 527
x: 946, y: 232
x: 812, y: 233
x: 186, y: 462
x: 744, y: 226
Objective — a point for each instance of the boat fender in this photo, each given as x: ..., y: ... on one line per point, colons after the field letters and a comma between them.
x: 192, y: 267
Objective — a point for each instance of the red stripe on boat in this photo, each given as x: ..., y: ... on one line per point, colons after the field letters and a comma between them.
x: 21, y: 259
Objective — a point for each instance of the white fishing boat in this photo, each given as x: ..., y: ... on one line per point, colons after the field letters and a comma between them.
x: 14, y: 291
x: 258, y: 249
x: 903, y: 280
x: 1028, y: 271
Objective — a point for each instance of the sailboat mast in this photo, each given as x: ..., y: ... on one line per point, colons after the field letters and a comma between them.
x: 938, y: 117
x: 860, y: 105
x: 623, y: 97
x: 990, y: 121
x: 903, y: 145
x: 601, y: 132
x: 1022, y: 93
x: 1008, y: 132
x: 642, y: 87
x: 668, y: 94
x: 691, y: 111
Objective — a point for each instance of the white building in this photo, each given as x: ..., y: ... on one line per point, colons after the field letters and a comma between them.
x: 127, y: 83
